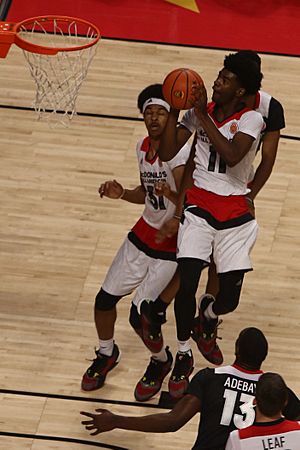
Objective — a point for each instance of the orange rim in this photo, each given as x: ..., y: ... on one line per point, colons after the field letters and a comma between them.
x: 9, y: 34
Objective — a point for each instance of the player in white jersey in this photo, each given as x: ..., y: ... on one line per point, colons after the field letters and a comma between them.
x: 140, y: 264
x: 273, y: 116
x: 270, y: 430
x: 216, y: 216
x: 223, y: 397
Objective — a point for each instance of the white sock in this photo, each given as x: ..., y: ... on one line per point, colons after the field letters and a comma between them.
x: 208, y: 313
x: 184, y: 346
x: 106, y: 347
x: 161, y: 356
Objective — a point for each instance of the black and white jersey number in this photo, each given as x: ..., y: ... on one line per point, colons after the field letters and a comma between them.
x: 156, y: 201
x: 212, y: 162
x: 242, y: 401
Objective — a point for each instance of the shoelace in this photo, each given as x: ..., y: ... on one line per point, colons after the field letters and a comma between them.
x: 153, y: 370
x: 212, y: 330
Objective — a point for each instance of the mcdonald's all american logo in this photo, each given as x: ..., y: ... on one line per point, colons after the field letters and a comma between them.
x: 233, y: 128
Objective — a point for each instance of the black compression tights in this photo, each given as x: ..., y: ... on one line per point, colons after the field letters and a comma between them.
x: 185, y: 300
x: 230, y: 285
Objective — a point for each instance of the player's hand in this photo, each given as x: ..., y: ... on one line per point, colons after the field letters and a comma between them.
x: 99, y: 422
x: 162, y: 188
x: 169, y: 229
x: 199, y: 99
x: 111, y: 189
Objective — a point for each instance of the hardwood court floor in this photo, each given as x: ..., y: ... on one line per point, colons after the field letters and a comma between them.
x: 58, y: 240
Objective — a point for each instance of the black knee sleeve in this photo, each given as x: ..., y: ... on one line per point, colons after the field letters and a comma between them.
x: 229, y: 291
x: 134, y: 318
x: 105, y: 301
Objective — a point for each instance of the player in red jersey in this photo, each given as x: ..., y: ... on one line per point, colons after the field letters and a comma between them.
x: 270, y: 430
x: 140, y: 264
x: 223, y: 397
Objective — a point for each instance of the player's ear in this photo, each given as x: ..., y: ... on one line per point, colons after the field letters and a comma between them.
x: 241, y: 92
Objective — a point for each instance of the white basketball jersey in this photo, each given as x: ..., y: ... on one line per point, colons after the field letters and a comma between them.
x: 158, y: 209
x: 211, y: 172
x: 280, y: 434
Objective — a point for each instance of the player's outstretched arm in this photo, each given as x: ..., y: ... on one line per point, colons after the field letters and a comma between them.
x: 113, y: 189
x: 182, y: 412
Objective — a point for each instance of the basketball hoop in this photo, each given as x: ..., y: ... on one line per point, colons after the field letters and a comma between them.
x: 59, y: 51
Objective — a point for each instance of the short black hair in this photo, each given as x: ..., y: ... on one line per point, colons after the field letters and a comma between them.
x: 271, y: 394
x: 246, y: 70
x: 251, y: 347
x: 154, y: 90
x: 251, y: 54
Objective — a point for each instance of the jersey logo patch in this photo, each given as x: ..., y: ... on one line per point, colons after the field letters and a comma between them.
x: 233, y: 128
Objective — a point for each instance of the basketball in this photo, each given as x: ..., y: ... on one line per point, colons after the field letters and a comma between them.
x: 177, y: 87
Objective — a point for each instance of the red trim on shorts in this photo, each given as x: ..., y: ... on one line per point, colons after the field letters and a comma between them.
x: 222, y: 208
x: 147, y: 234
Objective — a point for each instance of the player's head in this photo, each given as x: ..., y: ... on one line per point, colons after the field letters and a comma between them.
x: 251, y: 348
x: 239, y: 78
x: 246, y: 70
x: 154, y: 108
x: 252, y: 55
x: 271, y: 394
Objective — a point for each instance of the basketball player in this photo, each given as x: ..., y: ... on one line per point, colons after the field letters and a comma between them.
x: 140, y: 264
x: 222, y: 395
x: 216, y: 218
x: 273, y: 114
x: 270, y: 430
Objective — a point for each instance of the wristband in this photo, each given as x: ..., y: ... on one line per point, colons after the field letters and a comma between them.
x: 250, y: 200
x: 176, y: 217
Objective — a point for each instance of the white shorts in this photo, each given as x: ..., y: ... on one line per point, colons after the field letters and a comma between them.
x: 230, y: 247
x: 133, y: 269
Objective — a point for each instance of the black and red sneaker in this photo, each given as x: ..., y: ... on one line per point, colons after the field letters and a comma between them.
x: 151, y: 326
x: 179, y: 380
x: 204, y: 333
x: 153, y: 378
x: 95, y: 375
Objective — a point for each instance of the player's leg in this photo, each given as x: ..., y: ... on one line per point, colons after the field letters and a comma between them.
x: 159, y: 273
x: 153, y: 313
x: 194, y: 250
x: 185, y: 308
x: 232, y: 255
x: 212, y: 285
x: 126, y: 272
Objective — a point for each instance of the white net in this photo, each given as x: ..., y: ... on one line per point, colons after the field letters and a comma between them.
x: 58, y: 77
